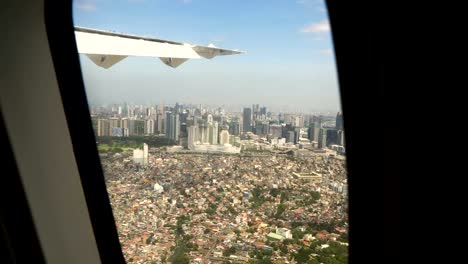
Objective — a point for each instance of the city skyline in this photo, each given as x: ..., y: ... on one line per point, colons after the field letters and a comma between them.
x: 289, y: 61
x: 230, y: 108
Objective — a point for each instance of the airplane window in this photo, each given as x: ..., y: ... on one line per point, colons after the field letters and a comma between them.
x: 219, y: 128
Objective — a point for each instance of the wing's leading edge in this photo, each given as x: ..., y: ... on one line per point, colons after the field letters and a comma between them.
x: 106, y: 49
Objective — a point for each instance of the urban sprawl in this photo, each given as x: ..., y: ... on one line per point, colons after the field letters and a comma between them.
x: 197, y: 184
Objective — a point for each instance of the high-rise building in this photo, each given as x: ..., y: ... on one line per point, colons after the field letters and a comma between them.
x: 322, y: 142
x: 317, y: 127
x: 332, y: 136
x: 310, y: 132
x: 339, y: 121
x: 297, y: 134
x: 103, y: 127
x: 265, y: 128
x: 203, y: 133
x: 209, y: 118
x: 124, y: 122
x: 291, y: 137
x: 138, y: 127
x: 172, y: 126
x: 160, y: 123
x: 258, y: 128
x: 131, y: 127
x: 167, y: 125
x: 275, y: 130
x: 176, y: 123
x: 297, y: 121
x: 114, y: 122
x: 150, y: 126
x: 224, y: 137
x: 192, y: 136
x: 247, y: 120
x: 235, y: 128
x: 145, y: 154
x: 341, y: 137
x: 255, y: 112
x: 285, y: 130
x: 213, y: 133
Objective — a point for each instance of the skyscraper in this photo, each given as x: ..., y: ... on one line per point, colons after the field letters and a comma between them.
x: 160, y: 123
x: 341, y: 137
x: 322, y: 142
x: 138, y: 127
x: 145, y: 154
x: 175, y: 122
x: 114, y: 122
x: 103, y: 127
x: 291, y: 137
x: 172, y: 126
x: 265, y: 128
x: 310, y: 132
x: 150, y: 126
x: 213, y: 133
x: 247, y: 120
x: 332, y: 136
x: 209, y: 118
x: 275, y: 130
x: 192, y: 136
x: 224, y: 137
x: 339, y: 121
x: 317, y: 127
x: 285, y: 130
x: 297, y: 134
x: 167, y: 127
x: 235, y: 128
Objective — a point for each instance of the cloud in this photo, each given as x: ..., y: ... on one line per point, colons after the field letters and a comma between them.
x: 85, y: 6
x: 320, y: 27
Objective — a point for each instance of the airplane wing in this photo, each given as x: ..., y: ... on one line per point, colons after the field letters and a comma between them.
x: 106, y: 48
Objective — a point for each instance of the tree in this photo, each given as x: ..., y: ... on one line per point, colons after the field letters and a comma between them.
x: 284, y: 197
x: 180, y: 259
x: 280, y: 210
x: 266, y: 260
x: 148, y: 240
x: 274, y: 192
x: 210, y: 211
x: 229, y: 251
x: 297, y: 234
x: 302, y: 256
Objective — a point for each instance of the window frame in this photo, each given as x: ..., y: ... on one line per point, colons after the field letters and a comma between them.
x: 352, y: 69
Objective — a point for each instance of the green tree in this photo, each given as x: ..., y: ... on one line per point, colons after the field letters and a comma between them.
x: 274, y: 192
x: 229, y: 251
x: 302, y: 256
x: 280, y: 210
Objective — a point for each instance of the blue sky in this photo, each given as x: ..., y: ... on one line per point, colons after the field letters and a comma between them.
x: 288, y: 65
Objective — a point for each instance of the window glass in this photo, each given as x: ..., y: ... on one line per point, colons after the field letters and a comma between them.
x: 219, y: 128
